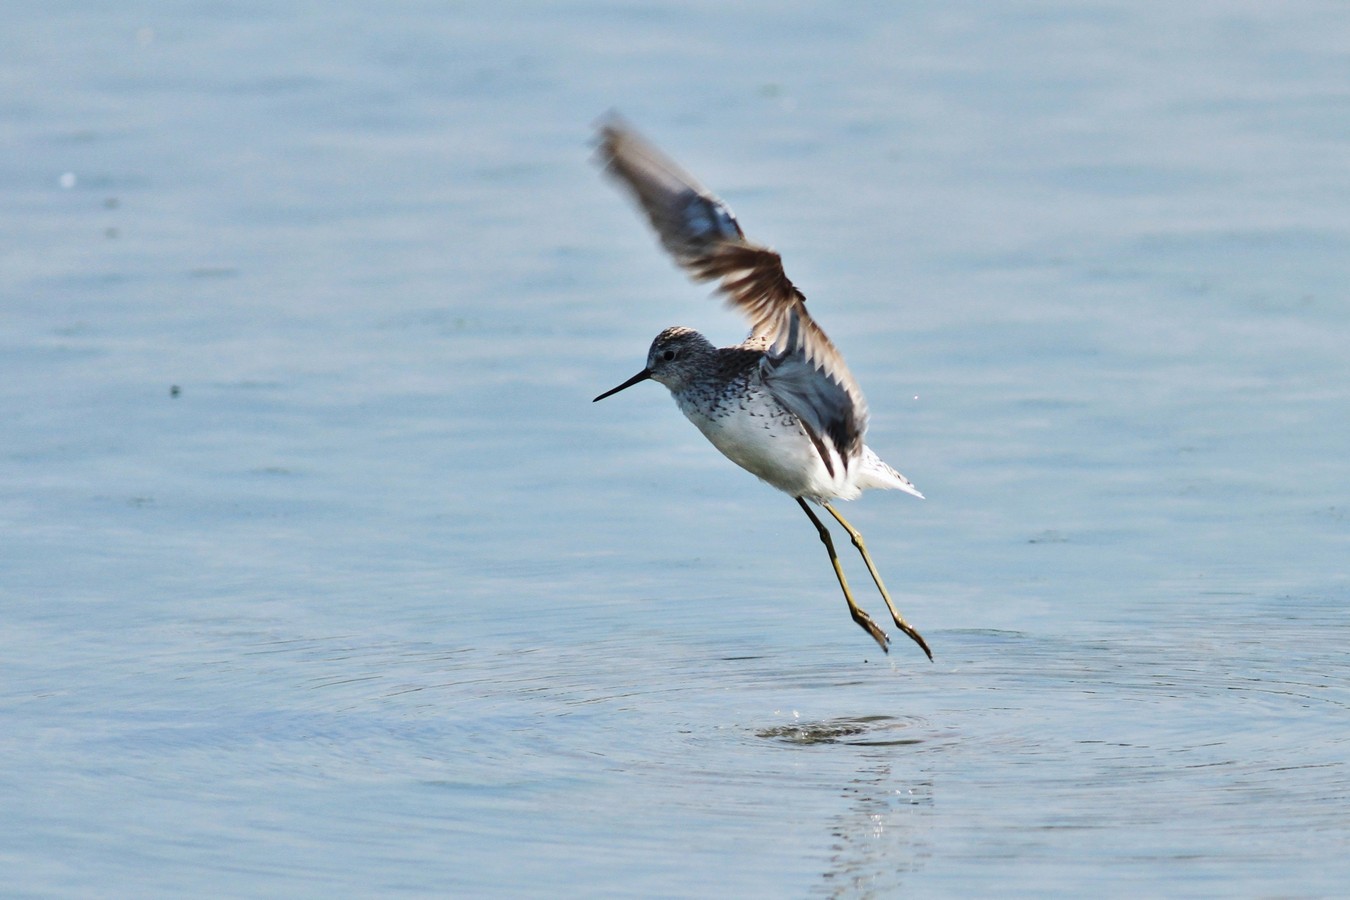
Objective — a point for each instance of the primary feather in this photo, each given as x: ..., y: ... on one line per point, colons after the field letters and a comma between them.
x: 801, y: 367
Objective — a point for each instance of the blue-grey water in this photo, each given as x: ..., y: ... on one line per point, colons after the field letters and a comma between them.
x: 320, y: 574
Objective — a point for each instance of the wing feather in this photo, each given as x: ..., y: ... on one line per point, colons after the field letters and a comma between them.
x: 802, y: 368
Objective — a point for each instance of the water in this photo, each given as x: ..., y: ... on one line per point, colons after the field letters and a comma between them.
x: 378, y: 602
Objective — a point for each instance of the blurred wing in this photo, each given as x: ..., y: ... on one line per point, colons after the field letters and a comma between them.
x: 802, y: 368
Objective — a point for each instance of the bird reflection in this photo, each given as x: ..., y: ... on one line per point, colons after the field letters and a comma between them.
x: 882, y: 837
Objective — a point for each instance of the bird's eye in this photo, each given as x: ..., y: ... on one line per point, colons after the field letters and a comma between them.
x: 668, y: 355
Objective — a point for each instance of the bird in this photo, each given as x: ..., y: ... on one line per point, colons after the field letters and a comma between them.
x: 782, y: 404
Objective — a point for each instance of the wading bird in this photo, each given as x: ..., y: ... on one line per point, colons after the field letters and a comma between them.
x: 782, y: 405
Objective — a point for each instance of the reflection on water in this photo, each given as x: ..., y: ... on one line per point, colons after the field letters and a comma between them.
x: 882, y: 837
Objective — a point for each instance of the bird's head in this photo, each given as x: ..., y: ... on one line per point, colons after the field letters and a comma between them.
x: 674, y: 360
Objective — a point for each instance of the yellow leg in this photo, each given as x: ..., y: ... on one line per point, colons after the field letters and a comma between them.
x: 857, y: 612
x: 876, y: 577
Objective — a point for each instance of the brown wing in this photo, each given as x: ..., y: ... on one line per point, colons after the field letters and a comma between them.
x: 802, y: 368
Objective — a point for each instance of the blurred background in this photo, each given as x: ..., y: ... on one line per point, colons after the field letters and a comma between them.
x: 320, y: 571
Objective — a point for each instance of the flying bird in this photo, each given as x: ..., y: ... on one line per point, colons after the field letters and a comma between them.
x: 782, y: 405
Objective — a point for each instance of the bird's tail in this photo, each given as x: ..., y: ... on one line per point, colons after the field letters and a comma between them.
x: 876, y: 474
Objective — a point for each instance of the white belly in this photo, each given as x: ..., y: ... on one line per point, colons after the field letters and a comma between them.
x: 760, y: 437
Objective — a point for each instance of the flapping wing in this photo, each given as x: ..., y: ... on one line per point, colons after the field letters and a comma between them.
x: 803, y: 369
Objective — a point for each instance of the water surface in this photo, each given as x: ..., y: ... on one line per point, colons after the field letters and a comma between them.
x: 321, y: 572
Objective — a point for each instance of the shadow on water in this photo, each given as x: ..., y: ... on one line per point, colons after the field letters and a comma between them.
x: 863, y: 731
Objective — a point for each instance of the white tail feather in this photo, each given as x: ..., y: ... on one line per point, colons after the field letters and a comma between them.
x: 873, y: 473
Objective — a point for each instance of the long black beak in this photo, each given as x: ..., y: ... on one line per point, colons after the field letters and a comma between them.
x: 641, y: 376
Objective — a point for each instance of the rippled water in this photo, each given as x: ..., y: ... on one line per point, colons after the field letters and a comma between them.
x: 321, y: 573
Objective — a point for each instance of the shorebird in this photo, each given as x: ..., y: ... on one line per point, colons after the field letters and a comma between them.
x: 782, y: 405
